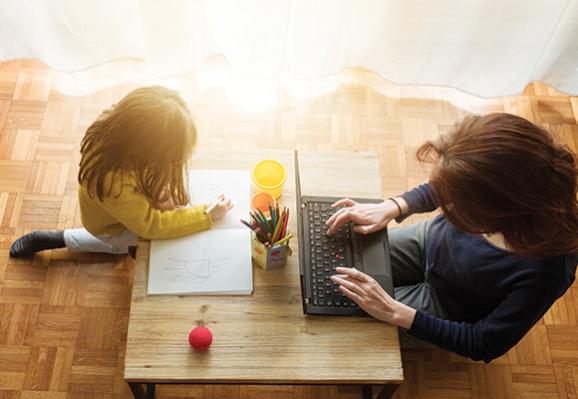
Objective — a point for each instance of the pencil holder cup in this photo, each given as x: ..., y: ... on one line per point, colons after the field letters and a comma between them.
x: 269, y: 175
x: 261, y: 202
x: 269, y: 258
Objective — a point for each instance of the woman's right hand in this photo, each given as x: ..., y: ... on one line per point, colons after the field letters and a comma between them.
x: 220, y: 210
x: 367, y: 217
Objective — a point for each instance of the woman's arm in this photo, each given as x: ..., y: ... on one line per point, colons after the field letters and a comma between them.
x: 367, y: 217
x: 484, y: 340
x: 371, y: 297
x: 417, y: 200
x: 373, y: 217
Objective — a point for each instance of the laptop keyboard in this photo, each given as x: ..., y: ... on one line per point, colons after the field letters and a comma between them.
x: 327, y: 253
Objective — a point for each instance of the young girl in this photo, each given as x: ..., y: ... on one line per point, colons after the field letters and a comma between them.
x: 476, y: 278
x: 132, y: 179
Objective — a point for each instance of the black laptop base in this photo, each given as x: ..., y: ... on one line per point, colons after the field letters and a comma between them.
x: 323, y: 253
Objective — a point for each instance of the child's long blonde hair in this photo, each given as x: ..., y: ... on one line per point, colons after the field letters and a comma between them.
x: 150, y: 133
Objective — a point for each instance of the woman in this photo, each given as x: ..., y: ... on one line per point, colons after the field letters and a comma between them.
x: 477, y: 277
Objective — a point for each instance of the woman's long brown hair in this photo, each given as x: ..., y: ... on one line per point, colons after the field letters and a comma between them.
x: 149, y: 133
x: 499, y: 173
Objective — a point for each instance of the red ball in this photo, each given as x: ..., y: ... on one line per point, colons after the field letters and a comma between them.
x: 200, y: 338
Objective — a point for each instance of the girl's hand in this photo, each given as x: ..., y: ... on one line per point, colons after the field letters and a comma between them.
x: 220, y: 210
x: 371, y: 297
x: 368, y: 217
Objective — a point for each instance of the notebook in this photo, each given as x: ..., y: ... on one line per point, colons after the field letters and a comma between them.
x: 213, y: 262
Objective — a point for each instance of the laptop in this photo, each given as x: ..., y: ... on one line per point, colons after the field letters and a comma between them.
x: 320, y: 254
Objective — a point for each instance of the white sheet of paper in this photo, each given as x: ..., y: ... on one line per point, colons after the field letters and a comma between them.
x: 209, y: 262
x: 217, y: 261
x: 206, y: 185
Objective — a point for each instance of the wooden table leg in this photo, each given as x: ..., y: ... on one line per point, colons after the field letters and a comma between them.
x: 151, y: 391
x: 367, y: 392
x: 387, y: 391
x: 137, y: 390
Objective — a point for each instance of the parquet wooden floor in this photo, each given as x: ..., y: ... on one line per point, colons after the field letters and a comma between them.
x: 63, y: 317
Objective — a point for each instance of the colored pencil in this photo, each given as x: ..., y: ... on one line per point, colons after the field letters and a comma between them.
x: 277, y: 232
x: 249, y: 225
x: 262, y: 221
x: 269, y: 230
x: 284, y: 232
x: 273, y: 216
x: 283, y: 240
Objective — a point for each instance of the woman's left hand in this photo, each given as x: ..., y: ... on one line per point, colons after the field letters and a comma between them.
x: 371, y: 297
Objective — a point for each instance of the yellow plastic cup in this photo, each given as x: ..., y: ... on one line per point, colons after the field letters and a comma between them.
x: 269, y: 175
x: 261, y: 201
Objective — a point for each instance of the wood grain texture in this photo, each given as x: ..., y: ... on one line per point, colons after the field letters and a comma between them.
x: 64, y: 317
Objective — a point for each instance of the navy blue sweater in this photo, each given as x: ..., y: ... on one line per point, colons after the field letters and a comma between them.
x: 492, y: 296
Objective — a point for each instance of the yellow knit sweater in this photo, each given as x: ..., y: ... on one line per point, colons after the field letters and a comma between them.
x: 128, y: 208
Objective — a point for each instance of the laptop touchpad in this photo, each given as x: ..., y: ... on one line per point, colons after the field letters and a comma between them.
x: 373, y: 253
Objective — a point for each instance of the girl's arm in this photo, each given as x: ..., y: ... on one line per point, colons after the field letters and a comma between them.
x: 165, y: 202
x: 135, y: 212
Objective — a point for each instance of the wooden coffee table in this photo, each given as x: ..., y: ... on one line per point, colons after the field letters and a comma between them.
x: 264, y: 338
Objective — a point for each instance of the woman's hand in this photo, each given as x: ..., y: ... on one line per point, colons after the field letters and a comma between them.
x: 219, y: 211
x: 368, y: 217
x: 371, y: 297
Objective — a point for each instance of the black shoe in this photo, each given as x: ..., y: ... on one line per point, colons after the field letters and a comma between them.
x: 29, y: 244
x: 132, y: 251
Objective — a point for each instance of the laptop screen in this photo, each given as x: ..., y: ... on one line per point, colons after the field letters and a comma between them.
x: 297, y: 180
x: 299, y: 212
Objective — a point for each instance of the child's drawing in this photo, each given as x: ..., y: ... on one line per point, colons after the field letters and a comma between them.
x: 215, y: 261
x: 195, y: 271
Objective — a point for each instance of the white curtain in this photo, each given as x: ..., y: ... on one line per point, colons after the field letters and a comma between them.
x: 484, y: 47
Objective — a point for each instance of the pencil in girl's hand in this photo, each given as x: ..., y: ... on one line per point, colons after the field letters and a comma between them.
x: 214, y: 204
